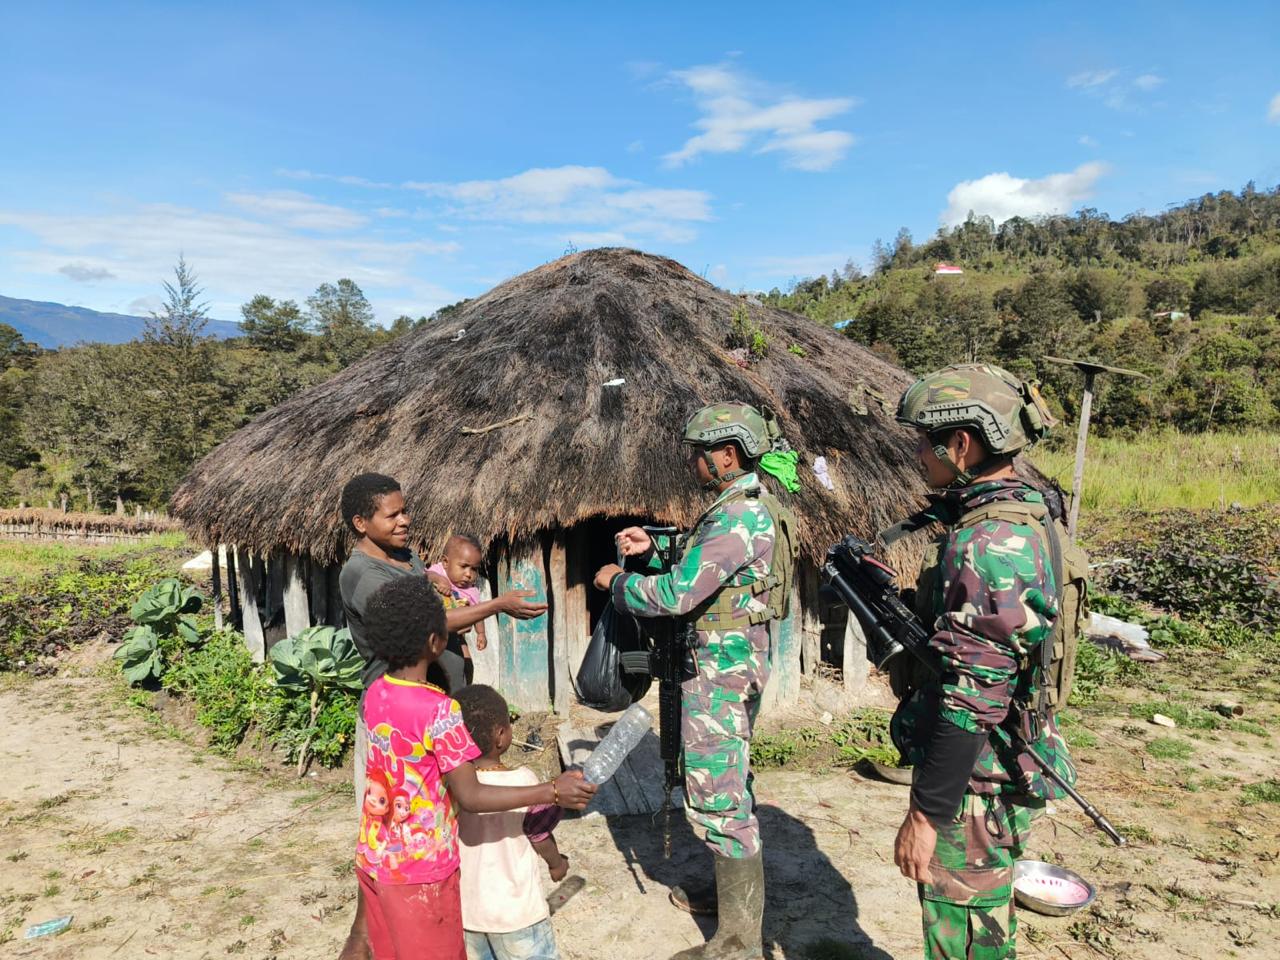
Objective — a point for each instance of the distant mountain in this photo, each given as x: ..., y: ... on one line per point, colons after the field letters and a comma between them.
x: 57, y: 325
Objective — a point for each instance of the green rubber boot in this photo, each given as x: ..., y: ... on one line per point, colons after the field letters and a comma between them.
x: 740, y: 891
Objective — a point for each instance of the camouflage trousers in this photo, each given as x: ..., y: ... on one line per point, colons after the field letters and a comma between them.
x: 716, y: 726
x: 968, y: 908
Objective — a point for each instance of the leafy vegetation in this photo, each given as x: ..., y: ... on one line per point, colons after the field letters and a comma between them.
x: 318, y: 663
x: 1188, y: 297
x: 862, y: 735
x: 125, y: 422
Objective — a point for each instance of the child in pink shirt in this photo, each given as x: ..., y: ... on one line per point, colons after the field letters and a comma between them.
x: 455, y: 577
x: 418, y: 765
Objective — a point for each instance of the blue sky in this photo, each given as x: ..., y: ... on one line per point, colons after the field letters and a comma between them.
x: 429, y: 151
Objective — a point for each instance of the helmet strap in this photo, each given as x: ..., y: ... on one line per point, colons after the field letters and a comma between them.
x: 717, y: 478
x: 962, y: 477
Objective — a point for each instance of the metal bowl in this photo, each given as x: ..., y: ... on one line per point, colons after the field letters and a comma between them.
x: 882, y: 771
x: 1049, y: 889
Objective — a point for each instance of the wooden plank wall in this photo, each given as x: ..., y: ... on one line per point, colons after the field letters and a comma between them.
x: 524, y: 653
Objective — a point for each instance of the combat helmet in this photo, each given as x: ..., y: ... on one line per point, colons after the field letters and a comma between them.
x: 755, y: 433
x: 1007, y: 413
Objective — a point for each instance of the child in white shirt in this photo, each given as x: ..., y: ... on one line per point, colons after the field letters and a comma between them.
x: 504, y: 913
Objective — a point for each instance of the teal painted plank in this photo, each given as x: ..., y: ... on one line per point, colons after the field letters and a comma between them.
x: 784, y: 658
x: 525, y: 653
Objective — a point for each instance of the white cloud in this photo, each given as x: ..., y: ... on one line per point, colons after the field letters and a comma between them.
x: 1148, y: 81
x: 1091, y: 78
x: 635, y: 146
x: 349, y: 181
x: 585, y: 196
x: 142, y: 306
x: 294, y: 209
x: 1273, y: 110
x: 85, y: 273
x: 234, y: 256
x: 1087, y: 141
x: 738, y: 113
x: 1001, y: 196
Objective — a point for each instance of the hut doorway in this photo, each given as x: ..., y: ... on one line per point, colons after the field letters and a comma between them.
x: 596, y: 548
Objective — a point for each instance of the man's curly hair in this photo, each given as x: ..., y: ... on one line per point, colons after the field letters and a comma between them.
x: 483, y: 711
x: 361, y: 495
x: 399, y: 618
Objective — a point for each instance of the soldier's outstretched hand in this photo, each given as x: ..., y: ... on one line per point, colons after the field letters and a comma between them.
x: 633, y: 542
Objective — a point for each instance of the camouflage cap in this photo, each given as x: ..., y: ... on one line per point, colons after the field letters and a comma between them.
x: 1006, y: 413
x: 719, y: 423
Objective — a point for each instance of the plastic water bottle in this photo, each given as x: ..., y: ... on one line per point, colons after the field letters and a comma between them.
x: 609, y: 753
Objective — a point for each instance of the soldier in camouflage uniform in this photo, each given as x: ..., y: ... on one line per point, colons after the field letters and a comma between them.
x: 724, y: 581
x: 990, y: 596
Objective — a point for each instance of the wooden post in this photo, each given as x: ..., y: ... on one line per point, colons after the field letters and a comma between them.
x: 233, y: 590
x: 1077, y: 478
x: 297, y: 614
x: 249, y: 570
x: 558, y: 596
x: 217, y: 587
x: 577, y: 613
x: 854, y: 666
x: 524, y: 657
x: 810, y: 620
x: 317, y: 592
x: 486, y: 661
x: 1090, y: 369
x: 337, y: 613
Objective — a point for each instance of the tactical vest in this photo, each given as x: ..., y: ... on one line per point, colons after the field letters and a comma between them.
x: 1056, y: 662
x: 725, y: 608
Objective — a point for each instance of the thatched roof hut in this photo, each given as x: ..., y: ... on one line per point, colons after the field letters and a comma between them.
x: 501, y: 422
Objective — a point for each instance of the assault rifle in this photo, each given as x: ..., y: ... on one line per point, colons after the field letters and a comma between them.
x: 866, y: 585
x: 671, y: 643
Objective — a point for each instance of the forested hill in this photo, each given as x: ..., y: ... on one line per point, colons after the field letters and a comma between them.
x: 52, y: 325
x: 1189, y: 296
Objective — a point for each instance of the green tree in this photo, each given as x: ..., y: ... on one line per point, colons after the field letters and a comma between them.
x: 183, y: 405
x: 343, y: 318
x: 273, y: 327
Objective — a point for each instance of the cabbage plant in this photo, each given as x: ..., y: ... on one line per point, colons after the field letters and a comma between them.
x: 317, y: 661
x: 139, y: 655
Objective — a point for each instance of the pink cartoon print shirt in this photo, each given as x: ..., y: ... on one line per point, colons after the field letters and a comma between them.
x: 408, y: 828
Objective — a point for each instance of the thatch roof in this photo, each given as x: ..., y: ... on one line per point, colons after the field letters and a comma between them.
x: 536, y: 351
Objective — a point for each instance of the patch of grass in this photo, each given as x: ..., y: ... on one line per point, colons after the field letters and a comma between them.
x: 101, y: 842
x: 1169, y: 748
x: 1150, y: 472
x: 1249, y: 726
x: 27, y: 559
x: 1265, y: 791
x: 1191, y: 718
x: 1074, y: 732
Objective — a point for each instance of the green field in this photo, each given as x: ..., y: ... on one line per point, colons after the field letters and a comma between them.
x: 1166, y: 470
x: 22, y: 559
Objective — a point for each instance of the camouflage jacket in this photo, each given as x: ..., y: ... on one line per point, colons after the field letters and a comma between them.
x: 731, y: 545
x: 991, y: 601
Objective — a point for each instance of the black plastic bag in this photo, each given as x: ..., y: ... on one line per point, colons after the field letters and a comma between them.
x: 615, y: 670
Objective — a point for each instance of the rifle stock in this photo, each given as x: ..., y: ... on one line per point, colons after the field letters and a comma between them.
x: 867, y: 586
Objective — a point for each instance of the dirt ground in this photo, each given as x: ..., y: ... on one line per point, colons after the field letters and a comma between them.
x: 161, y: 849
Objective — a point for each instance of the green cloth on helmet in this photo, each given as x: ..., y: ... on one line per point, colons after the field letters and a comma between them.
x: 783, y: 466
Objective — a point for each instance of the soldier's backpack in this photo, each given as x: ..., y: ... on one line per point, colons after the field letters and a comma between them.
x: 777, y: 585
x: 1070, y: 565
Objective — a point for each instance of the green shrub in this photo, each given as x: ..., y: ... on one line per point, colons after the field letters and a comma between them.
x: 231, y: 693
x: 322, y: 663
x: 1097, y: 668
